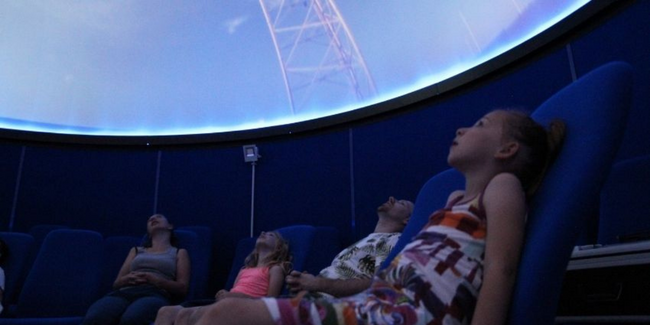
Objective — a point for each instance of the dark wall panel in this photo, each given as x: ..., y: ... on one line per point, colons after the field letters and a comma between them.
x: 626, y: 37
x: 9, y: 166
x: 208, y: 187
x: 109, y: 191
x: 304, y: 181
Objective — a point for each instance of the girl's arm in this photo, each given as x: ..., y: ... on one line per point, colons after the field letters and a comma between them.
x: 505, y: 206
x: 179, y: 286
x: 276, y: 281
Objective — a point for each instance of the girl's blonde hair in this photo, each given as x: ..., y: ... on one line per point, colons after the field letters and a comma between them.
x: 538, y: 147
x: 280, y: 255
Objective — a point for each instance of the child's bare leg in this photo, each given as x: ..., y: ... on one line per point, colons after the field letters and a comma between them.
x: 189, y: 315
x: 167, y: 314
x: 232, y: 311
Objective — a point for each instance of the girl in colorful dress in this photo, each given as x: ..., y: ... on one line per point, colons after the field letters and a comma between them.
x: 461, y: 267
x: 262, y: 276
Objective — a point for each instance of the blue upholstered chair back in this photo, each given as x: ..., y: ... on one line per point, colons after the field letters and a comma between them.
x: 16, y: 265
x: 244, y: 247
x: 189, y: 240
x: 595, y: 109
x: 326, y: 246
x: 116, y: 249
x: 624, y: 202
x: 201, y: 269
x: 39, y: 232
x: 65, y: 277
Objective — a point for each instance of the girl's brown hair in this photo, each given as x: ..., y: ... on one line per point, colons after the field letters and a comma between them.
x: 539, y: 147
x: 280, y: 255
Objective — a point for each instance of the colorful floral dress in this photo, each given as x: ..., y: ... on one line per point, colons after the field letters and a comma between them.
x: 434, y: 280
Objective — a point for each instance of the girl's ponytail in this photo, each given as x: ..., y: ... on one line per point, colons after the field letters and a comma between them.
x: 540, y: 147
x: 554, y: 140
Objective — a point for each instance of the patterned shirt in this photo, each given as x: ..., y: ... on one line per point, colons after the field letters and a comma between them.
x: 361, y: 259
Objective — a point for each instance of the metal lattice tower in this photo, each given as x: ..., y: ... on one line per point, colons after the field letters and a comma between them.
x: 320, y: 61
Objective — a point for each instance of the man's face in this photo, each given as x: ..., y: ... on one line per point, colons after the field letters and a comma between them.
x: 399, y: 210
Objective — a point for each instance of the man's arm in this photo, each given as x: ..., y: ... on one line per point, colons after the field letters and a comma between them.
x: 297, y: 281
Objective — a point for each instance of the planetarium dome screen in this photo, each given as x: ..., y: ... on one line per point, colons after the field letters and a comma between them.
x: 149, y: 68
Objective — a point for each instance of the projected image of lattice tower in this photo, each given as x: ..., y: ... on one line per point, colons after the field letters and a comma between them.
x: 321, y: 64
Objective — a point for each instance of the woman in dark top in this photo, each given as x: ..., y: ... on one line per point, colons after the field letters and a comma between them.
x: 151, y: 277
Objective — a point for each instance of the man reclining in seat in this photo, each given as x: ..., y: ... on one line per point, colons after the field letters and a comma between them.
x: 352, y: 269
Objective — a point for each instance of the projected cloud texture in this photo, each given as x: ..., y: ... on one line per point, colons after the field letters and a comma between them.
x: 189, y: 67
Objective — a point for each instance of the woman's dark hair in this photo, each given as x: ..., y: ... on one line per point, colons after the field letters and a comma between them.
x: 539, y: 147
x: 4, y: 251
x: 173, y: 239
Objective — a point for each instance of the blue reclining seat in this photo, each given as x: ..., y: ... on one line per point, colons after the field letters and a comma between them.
x: 64, y: 280
x: 595, y: 109
x: 116, y: 249
x: 244, y: 247
x: 201, y: 267
x: 325, y: 247
x: 16, y: 266
x: 189, y: 240
x: 39, y: 232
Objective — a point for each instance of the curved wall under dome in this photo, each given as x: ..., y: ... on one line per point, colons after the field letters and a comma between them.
x: 92, y: 73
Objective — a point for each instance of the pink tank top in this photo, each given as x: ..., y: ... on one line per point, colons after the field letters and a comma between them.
x: 253, y: 282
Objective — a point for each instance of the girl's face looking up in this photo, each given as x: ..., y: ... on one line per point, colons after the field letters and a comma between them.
x: 479, y: 142
x: 268, y: 238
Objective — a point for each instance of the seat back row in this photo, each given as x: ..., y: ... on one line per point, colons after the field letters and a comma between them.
x: 73, y: 268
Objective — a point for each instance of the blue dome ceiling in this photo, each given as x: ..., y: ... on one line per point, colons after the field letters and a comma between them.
x: 159, y: 68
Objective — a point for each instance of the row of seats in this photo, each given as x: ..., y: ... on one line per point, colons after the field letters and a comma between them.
x: 73, y: 268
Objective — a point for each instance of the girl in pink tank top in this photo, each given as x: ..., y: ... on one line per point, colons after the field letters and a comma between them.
x: 262, y: 276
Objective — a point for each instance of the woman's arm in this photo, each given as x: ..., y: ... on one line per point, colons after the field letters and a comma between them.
x: 179, y: 286
x: 505, y: 206
x: 125, y: 277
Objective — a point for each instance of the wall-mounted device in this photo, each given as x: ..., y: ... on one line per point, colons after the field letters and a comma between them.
x: 250, y: 153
